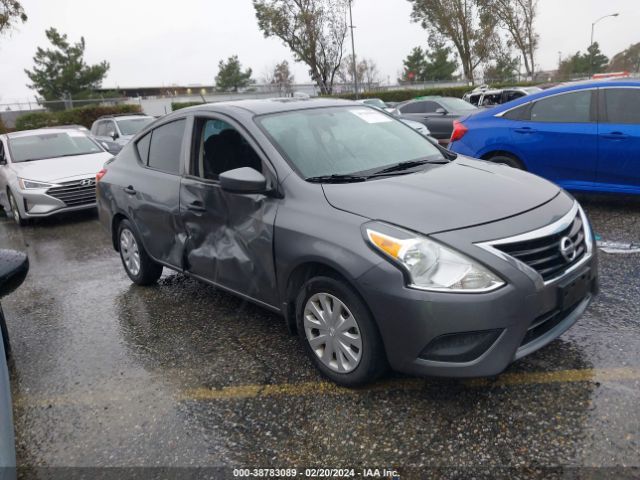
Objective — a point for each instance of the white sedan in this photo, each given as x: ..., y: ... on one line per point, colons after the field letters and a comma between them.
x: 48, y: 171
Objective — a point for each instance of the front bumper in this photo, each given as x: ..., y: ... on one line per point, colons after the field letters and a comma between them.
x: 474, y: 335
x: 39, y: 205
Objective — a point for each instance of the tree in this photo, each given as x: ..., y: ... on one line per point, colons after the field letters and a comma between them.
x: 10, y: 12
x: 314, y: 30
x: 231, y: 77
x: 371, y: 75
x: 439, y: 66
x: 626, y: 61
x: 469, y: 28
x: 367, y: 71
x: 579, y: 64
x: 415, y: 66
x: 517, y: 17
x: 282, y: 77
x: 61, y: 71
x: 502, y: 69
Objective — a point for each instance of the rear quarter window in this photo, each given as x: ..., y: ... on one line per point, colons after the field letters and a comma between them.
x: 143, y: 148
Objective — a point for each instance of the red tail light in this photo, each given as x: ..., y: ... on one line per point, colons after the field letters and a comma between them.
x: 458, y: 131
x: 101, y: 174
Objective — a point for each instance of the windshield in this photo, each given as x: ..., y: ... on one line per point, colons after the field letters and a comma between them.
x: 133, y: 125
x: 375, y: 102
x: 51, y: 145
x: 456, y: 105
x: 345, y: 140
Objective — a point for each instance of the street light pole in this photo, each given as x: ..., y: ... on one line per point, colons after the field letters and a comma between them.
x: 593, y: 26
x: 353, y: 53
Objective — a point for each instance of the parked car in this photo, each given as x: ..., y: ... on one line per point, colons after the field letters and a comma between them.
x: 583, y: 136
x: 418, y: 127
x: 45, y: 172
x: 371, y: 242
x: 119, y: 128
x: 13, y: 270
x: 437, y: 113
x: 485, y: 97
x: 109, y: 145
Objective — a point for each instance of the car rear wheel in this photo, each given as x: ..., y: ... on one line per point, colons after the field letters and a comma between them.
x: 338, y: 332
x: 142, y: 270
x: 505, y: 159
x: 15, y: 211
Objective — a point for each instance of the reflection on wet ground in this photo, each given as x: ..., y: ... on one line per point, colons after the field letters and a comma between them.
x: 180, y: 374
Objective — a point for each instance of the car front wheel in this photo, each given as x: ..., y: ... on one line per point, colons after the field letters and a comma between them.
x: 142, y: 270
x: 15, y: 211
x: 509, y: 160
x: 338, y: 332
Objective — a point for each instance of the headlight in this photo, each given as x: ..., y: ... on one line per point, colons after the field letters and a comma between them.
x: 30, y: 184
x: 432, y: 266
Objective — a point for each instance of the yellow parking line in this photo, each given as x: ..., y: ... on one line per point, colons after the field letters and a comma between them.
x: 326, y: 388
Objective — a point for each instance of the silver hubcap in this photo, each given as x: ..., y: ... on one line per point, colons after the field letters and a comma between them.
x: 129, y: 251
x: 14, y: 209
x: 333, y: 333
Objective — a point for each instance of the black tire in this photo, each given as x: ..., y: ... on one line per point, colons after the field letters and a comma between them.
x: 373, y: 361
x: 14, y: 212
x: 506, y: 159
x: 149, y: 271
x: 5, y: 335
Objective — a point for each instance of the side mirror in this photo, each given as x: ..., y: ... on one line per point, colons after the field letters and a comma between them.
x: 441, y: 111
x: 13, y: 270
x: 243, y: 180
x: 114, y: 135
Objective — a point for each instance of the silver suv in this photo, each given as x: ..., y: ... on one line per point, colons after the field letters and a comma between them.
x: 119, y: 128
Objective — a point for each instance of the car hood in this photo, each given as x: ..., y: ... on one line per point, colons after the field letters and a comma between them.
x: 60, y: 169
x: 460, y: 194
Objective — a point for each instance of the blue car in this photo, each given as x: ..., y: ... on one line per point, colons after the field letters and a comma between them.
x: 583, y: 136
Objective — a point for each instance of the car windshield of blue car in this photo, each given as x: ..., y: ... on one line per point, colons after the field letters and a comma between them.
x: 133, y: 125
x: 345, y: 140
x: 51, y: 145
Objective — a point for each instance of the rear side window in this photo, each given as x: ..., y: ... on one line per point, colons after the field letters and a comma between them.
x: 520, y: 113
x: 566, y: 108
x: 622, y: 105
x: 143, y: 148
x: 166, y: 146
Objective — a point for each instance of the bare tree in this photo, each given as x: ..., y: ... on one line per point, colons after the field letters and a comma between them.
x: 471, y: 29
x: 282, y: 78
x: 517, y: 17
x: 11, y: 11
x: 367, y: 71
x: 314, y: 30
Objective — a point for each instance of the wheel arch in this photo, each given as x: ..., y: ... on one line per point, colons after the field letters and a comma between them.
x: 494, y: 152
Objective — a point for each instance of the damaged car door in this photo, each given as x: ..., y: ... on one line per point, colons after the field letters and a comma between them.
x: 229, y: 235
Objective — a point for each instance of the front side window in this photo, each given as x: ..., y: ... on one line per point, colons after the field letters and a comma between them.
x: 166, y: 146
x: 51, y: 145
x: 622, y: 105
x: 218, y: 148
x: 566, y: 108
x: 344, y: 140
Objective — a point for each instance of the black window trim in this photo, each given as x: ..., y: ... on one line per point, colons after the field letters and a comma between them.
x: 271, y: 176
x: 150, y: 131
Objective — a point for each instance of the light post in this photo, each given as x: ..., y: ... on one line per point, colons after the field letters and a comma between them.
x: 593, y: 26
x: 353, y: 53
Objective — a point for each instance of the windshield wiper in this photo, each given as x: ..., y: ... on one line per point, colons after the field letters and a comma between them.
x: 337, y: 179
x: 398, y: 167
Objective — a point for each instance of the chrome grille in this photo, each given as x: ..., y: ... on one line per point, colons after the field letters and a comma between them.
x: 544, y: 254
x: 75, y: 193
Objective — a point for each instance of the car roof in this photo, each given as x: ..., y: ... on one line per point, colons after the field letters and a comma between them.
x: 272, y: 105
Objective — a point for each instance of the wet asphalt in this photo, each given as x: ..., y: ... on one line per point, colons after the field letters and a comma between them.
x: 105, y: 373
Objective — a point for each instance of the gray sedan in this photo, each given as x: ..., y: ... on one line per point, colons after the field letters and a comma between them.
x: 48, y: 171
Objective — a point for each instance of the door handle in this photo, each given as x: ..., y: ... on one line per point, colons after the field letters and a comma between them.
x: 196, y: 206
x: 615, y: 136
x: 130, y: 190
x: 525, y: 130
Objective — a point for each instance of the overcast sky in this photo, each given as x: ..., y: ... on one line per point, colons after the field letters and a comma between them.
x: 150, y: 44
